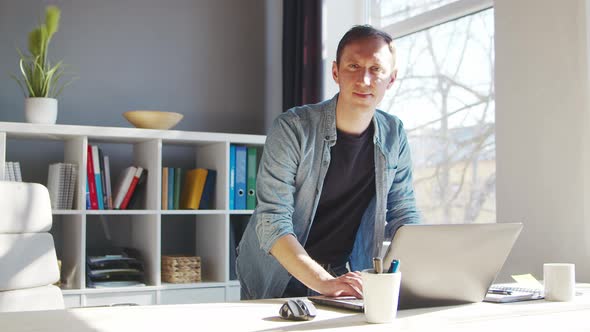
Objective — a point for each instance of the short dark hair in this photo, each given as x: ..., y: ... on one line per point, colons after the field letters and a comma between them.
x: 359, y: 32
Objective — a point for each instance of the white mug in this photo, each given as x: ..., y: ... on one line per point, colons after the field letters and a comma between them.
x: 380, y: 295
x: 560, y: 281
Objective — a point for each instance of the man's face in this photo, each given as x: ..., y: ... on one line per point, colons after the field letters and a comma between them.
x: 365, y: 72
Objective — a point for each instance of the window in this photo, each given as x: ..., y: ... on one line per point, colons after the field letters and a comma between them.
x: 390, y: 11
x: 444, y: 94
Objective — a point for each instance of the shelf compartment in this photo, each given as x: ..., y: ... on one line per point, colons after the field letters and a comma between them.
x: 143, y: 154
x: 108, y: 233
x: 67, y: 232
x: 35, y: 167
x: 200, y: 235
x: 237, y: 226
x: 200, y: 155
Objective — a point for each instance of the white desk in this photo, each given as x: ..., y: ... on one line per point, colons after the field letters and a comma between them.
x: 262, y: 316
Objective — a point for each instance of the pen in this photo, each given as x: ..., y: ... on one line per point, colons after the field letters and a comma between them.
x: 394, y: 266
x: 377, y: 265
x: 499, y: 291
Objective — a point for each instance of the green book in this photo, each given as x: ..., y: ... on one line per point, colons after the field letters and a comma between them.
x: 251, y: 169
x: 177, y: 185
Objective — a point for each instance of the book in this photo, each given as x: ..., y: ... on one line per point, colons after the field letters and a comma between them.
x: 192, y: 190
x: 138, y: 198
x: 88, y: 207
x: 177, y: 183
x: 123, y: 185
x: 208, y: 191
x: 54, y: 180
x: 232, y: 175
x: 164, y: 188
x: 72, y: 185
x: 17, y: 174
x: 240, y: 190
x: 107, y: 176
x: 97, y: 176
x: 9, y: 171
x: 131, y: 189
x: 90, y: 179
x: 170, y: 188
x: 65, y: 190
x: 103, y: 182
x: 251, y: 178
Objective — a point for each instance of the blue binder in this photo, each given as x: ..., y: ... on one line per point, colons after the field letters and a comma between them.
x: 232, y: 176
x: 240, y: 191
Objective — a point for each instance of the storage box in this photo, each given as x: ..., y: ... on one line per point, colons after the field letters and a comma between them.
x: 178, y: 269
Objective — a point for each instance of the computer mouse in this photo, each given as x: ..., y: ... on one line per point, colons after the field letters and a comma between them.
x: 298, y: 309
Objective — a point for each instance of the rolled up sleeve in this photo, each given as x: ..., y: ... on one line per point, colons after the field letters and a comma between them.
x: 401, y: 202
x: 275, y: 184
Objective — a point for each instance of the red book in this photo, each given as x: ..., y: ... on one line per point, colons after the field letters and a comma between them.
x: 90, y: 179
x: 131, y: 188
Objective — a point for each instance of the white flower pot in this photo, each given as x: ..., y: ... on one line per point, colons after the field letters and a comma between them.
x: 41, y: 110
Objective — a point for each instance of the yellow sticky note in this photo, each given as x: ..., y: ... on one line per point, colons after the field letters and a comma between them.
x: 527, y: 281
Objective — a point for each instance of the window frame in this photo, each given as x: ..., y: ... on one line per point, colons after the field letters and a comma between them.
x: 431, y: 18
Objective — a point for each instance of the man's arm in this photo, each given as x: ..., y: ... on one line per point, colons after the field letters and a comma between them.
x: 276, y: 188
x: 289, y: 252
x: 401, y: 202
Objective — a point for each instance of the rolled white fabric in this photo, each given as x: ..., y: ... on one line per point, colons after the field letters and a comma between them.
x: 38, y: 298
x: 26, y: 208
x: 27, y: 260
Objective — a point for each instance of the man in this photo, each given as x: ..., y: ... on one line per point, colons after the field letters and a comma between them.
x: 335, y: 178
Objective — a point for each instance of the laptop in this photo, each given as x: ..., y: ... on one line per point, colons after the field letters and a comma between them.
x: 443, y: 264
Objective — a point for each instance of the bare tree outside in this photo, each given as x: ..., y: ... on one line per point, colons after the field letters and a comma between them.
x: 444, y: 94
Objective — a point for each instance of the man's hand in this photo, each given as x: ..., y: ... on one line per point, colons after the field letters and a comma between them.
x: 289, y: 252
x: 349, y: 284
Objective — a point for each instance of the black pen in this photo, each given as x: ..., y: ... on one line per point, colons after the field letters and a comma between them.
x: 499, y: 291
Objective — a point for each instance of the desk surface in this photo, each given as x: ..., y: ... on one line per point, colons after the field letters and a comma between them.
x: 262, y: 316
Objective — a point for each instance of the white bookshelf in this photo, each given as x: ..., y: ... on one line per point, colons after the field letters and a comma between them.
x: 141, y: 229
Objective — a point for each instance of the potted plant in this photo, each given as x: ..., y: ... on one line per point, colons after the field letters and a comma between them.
x: 40, y: 79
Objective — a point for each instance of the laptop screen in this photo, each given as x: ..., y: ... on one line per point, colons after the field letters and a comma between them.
x: 448, y: 264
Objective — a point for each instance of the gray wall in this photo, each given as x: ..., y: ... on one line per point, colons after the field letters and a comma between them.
x: 204, y: 59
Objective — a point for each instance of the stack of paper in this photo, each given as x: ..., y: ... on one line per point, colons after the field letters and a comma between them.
x: 61, y: 183
x: 12, y: 171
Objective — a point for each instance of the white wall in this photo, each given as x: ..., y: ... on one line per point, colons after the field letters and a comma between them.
x: 339, y: 17
x: 542, y: 140
x: 204, y: 59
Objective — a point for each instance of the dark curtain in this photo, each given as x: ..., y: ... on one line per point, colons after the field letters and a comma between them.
x: 302, y: 52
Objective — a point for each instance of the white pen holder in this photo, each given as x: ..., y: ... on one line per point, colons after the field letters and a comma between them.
x: 380, y: 294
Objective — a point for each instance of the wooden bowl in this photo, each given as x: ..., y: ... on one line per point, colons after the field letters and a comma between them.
x: 153, y: 119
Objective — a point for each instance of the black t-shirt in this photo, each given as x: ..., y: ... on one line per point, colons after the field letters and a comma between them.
x: 348, y: 188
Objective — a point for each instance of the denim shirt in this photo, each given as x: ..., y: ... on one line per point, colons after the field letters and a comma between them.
x: 290, y: 177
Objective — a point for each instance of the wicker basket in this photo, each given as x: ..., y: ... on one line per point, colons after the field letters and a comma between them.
x: 178, y: 269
